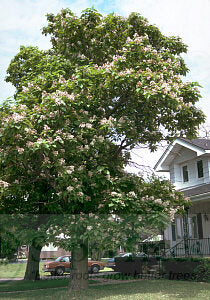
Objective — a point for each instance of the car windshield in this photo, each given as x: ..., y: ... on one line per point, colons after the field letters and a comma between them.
x: 124, y: 254
x: 57, y: 259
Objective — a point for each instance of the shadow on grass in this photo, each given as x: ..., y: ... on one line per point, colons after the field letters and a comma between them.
x: 143, y: 289
x: 22, y: 285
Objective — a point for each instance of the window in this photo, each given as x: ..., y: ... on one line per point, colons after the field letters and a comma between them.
x: 173, y: 231
x: 65, y: 259
x: 195, y: 227
x: 185, y: 174
x: 200, y: 168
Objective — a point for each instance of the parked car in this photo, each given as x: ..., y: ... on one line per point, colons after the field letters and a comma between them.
x: 111, y: 262
x: 63, y: 265
x: 141, y: 254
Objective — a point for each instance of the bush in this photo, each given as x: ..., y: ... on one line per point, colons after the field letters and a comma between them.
x: 4, y: 261
x: 132, y: 265
x: 196, y: 269
x: 202, y: 272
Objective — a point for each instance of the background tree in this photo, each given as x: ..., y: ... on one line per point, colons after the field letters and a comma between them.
x: 24, y: 229
x: 8, y: 242
x: 106, y: 85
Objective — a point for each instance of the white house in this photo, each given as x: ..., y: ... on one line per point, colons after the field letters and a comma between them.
x: 188, y: 162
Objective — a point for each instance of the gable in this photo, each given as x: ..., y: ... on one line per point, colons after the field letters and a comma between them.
x: 184, y: 155
x: 180, y: 150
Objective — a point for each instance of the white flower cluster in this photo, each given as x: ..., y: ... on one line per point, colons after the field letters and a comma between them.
x: 25, y: 89
x: 61, y: 161
x: 65, y: 94
x: 126, y: 72
x: 20, y: 150
x: 29, y: 144
x: 15, y: 117
x: 4, y: 184
x: 69, y: 169
x: 138, y: 39
x: 132, y: 194
x: 172, y: 213
x: 70, y: 188
x: 158, y: 201
x: 87, y: 125
x: 107, y: 121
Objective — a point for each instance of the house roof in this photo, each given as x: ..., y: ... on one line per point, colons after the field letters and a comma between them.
x: 197, y: 190
x: 202, y: 143
x: 199, y: 146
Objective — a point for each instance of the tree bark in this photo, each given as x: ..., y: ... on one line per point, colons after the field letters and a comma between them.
x: 32, y: 269
x: 0, y: 245
x: 96, y: 254
x: 79, y: 267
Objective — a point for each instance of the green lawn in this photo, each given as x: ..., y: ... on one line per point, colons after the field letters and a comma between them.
x: 13, y: 270
x: 21, y: 285
x: 141, y: 290
x: 18, y: 270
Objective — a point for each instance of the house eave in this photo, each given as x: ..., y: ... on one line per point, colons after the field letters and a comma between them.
x: 200, y: 197
x: 172, y: 150
x: 199, y: 192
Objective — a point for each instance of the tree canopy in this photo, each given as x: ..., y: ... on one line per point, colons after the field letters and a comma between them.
x: 106, y: 85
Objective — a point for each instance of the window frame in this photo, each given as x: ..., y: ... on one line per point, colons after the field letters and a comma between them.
x: 183, y: 172
x: 197, y: 168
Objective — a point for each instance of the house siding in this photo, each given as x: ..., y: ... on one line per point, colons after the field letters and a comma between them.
x: 188, y: 158
x: 45, y: 255
x: 198, y: 189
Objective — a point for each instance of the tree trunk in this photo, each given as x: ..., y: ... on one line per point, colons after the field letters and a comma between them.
x: 96, y: 254
x: 79, y: 269
x: 32, y: 269
x: 0, y: 245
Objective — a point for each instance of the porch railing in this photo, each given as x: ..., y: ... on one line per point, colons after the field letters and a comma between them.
x: 186, y: 247
x: 190, y: 247
x: 152, y: 248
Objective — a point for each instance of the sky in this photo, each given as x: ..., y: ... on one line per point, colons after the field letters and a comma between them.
x: 21, y: 22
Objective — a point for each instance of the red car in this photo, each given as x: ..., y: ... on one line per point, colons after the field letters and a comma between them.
x: 63, y: 264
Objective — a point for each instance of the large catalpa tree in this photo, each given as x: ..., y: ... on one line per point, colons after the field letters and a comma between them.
x: 106, y: 85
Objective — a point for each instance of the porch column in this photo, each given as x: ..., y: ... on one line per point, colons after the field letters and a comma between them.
x: 186, y: 233
x: 200, y: 226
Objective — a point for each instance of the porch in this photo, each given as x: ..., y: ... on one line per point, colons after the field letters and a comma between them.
x: 190, y: 247
x: 193, y: 247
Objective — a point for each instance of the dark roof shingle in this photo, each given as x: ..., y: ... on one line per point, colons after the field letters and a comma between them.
x: 201, y: 143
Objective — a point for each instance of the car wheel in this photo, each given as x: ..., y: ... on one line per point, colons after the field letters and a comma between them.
x: 52, y: 273
x: 59, y: 271
x: 95, y: 269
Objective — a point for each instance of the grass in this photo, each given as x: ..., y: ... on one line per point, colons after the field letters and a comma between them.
x: 119, y: 276
x: 17, y: 270
x: 141, y: 290
x: 21, y: 285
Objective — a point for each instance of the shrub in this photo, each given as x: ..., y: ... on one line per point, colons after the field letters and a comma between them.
x: 196, y: 269
x: 202, y: 272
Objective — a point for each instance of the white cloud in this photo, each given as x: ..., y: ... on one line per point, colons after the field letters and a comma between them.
x: 188, y: 19
x: 21, y: 22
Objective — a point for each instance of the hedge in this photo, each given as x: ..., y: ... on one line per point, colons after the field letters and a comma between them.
x: 190, y: 268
